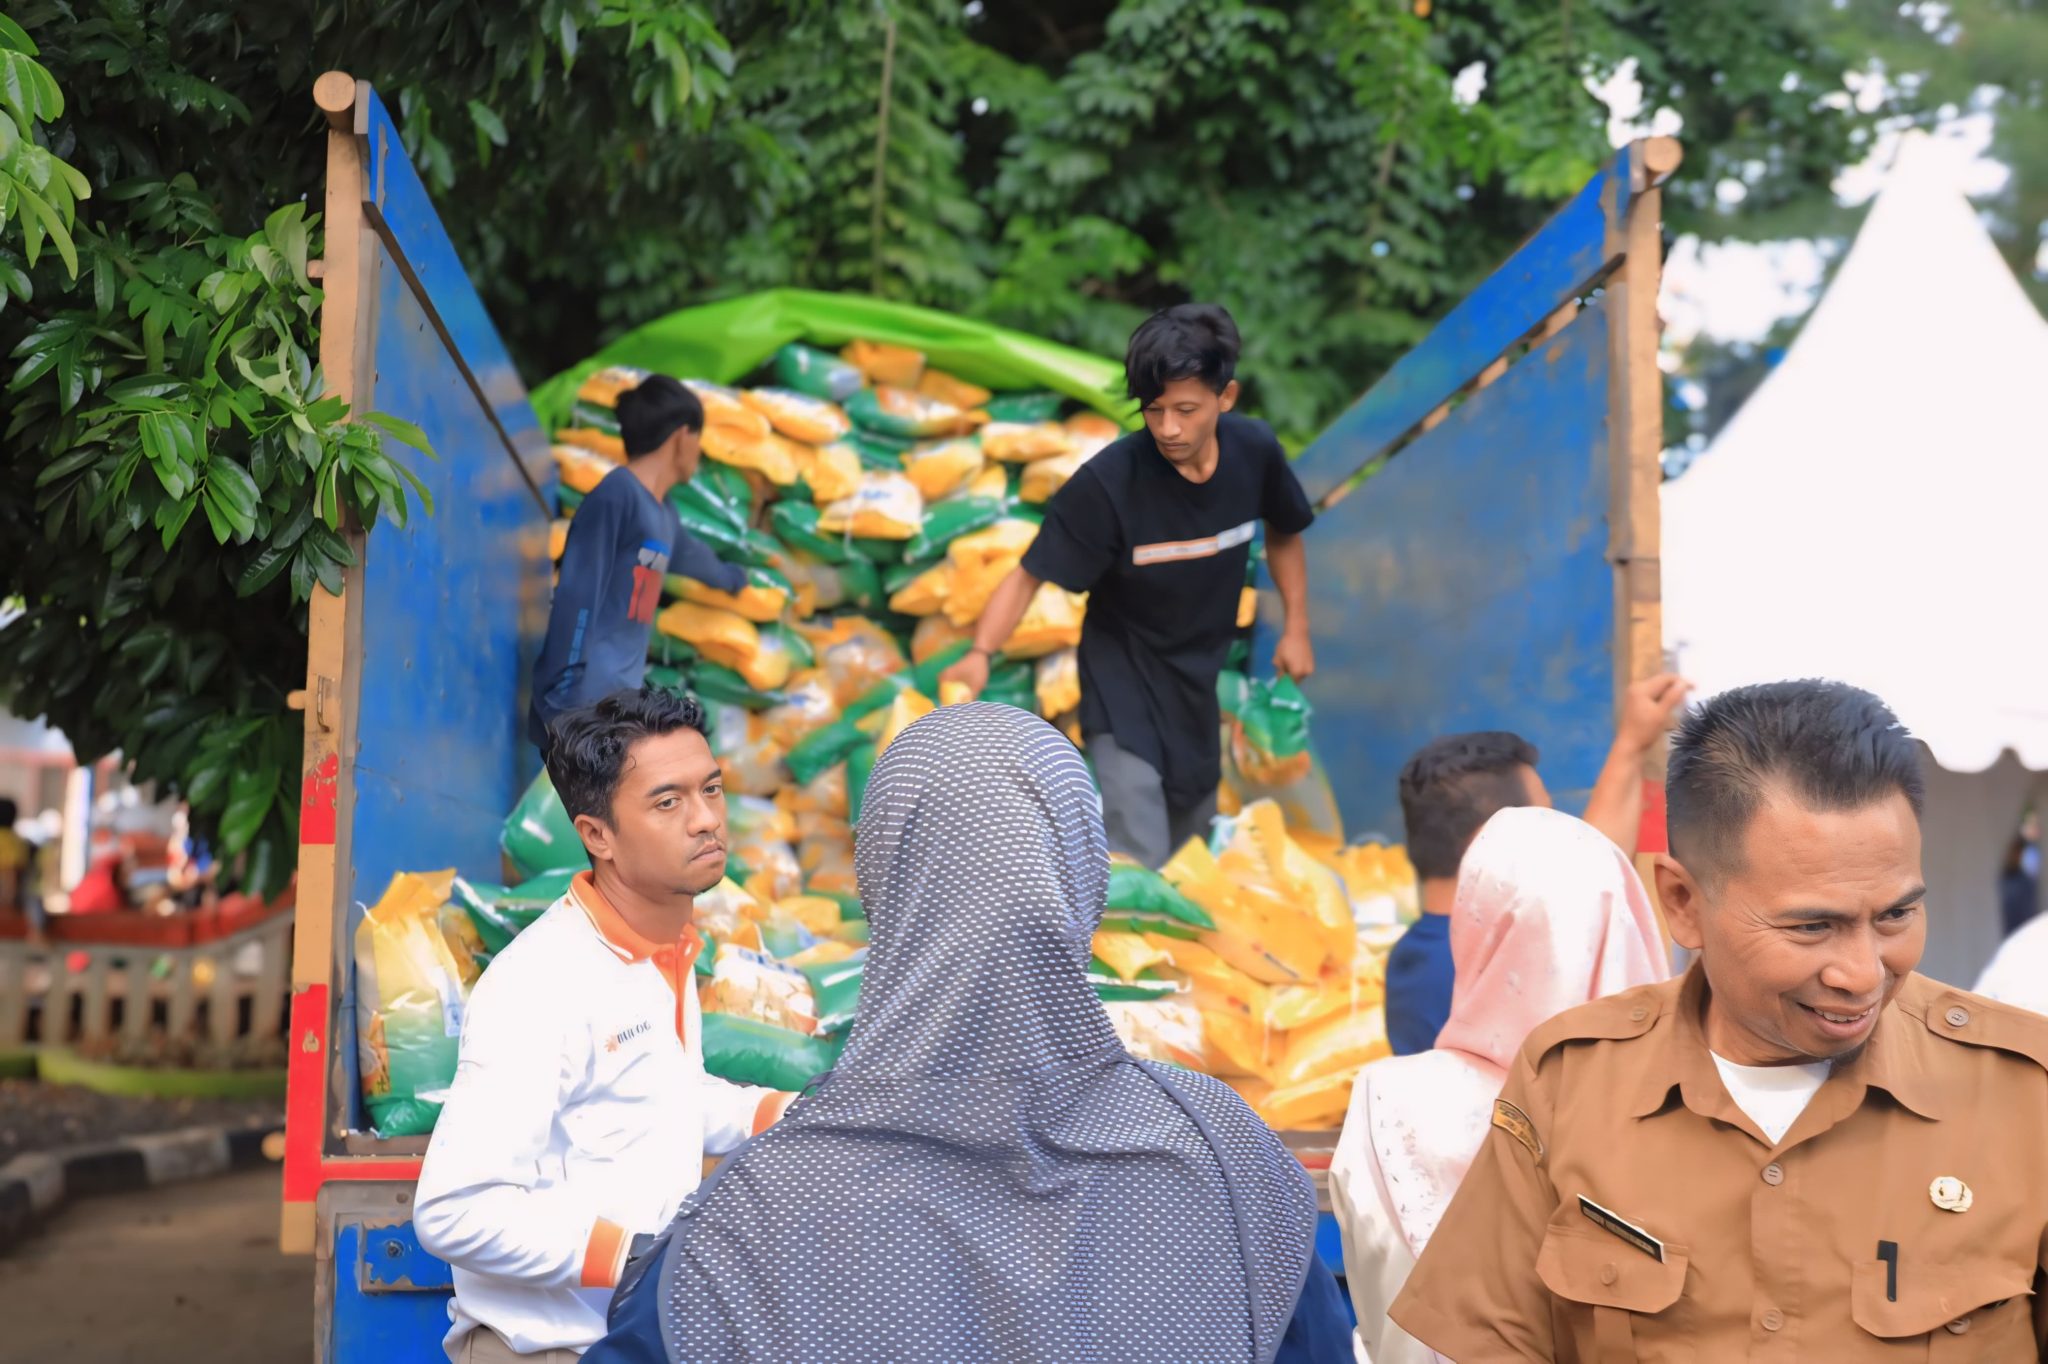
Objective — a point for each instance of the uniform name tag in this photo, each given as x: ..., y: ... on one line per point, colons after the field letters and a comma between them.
x: 1622, y: 1227
x: 1516, y: 1124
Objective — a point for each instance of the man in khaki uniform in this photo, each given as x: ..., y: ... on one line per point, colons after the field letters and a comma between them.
x: 1799, y: 1150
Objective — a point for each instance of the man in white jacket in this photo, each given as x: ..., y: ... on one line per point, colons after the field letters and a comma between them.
x: 581, y: 1112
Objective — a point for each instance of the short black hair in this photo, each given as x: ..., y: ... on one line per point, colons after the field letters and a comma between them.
x: 1832, y: 746
x: 9, y: 812
x: 1191, y: 341
x: 1453, y: 786
x: 587, y: 747
x: 656, y: 410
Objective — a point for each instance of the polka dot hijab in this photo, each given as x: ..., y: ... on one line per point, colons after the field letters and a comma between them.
x: 986, y: 1175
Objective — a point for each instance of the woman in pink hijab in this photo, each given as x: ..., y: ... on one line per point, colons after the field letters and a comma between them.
x: 1549, y: 914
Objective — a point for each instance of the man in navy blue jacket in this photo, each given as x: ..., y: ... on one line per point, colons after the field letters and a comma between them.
x: 624, y: 540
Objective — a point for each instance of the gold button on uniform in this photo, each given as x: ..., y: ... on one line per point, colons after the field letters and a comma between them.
x: 1958, y: 1326
x: 1774, y: 1174
x: 1951, y: 1194
x: 1774, y: 1320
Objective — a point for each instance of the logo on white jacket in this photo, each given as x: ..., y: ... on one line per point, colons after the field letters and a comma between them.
x: 620, y: 1039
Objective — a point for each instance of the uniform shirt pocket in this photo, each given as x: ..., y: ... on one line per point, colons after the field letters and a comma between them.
x: 1958, y: 1310
x: 1604, y: 1286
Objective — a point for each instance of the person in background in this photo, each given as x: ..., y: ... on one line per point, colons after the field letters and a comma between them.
x: 2019, y: 891
x: 104, y: 887
x: 17, y: 860
x: 581, y: 1113
x: 1801, y: 1149
x: 1451, y: 788
x: 986, y: 1174
x: 1157, y: 529
x: 623, y: 541
x: 1549, y: 914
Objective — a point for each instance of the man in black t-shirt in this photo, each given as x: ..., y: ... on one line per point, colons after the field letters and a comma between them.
x: 1157, y: 529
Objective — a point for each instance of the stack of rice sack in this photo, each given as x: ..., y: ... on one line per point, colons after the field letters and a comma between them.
x: 1281, y: 990
x: 876, y: 503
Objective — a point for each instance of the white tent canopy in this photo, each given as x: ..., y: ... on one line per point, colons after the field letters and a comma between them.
x: 1875, y: 514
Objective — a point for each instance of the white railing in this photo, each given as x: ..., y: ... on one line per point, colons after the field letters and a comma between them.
x: 130, y: 977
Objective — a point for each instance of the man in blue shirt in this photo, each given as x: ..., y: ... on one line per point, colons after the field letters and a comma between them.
x: 622, y: 543
x: 1448, y: 792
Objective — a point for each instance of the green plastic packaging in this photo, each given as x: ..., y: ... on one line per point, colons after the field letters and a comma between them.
x: 835, y: 987
x: 945, y: 522
x: 1140, y: 890
x: 539, y: 836
x: 859, y: 765
x: 1026, y: 408
x: 817, y: 373
x: 747, y: 1051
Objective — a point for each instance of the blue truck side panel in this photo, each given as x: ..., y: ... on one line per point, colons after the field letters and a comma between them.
x: 390, y: 1297
x: 447, y: 648
x: 1467, y: 586
x: 1564, y: 257
x: 402, y: 210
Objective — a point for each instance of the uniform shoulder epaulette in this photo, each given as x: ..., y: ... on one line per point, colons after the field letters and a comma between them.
x: 1976, y: 1021
x: 1612, y: 1018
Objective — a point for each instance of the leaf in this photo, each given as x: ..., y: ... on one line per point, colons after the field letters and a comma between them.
x: 205, y: 783
x: 263, y: 570
x: 331, y: 546
x: 402, y: 429
x: 15, y: 37
x: 179, y: 512
x: 294, y: 529
x: 487, y: 122
x: 230, y: 485
x: 60, y: 237
x: 251, y: 792
x: 568, y: 34
x: 66, y: 465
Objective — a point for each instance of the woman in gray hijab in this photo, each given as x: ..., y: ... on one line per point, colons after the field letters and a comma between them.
x: 987, y: 1174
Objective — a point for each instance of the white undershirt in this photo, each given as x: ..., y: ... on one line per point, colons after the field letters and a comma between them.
x: 1773, y: 1096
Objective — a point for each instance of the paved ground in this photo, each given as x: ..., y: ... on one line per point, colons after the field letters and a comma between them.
x: 188, y: 1272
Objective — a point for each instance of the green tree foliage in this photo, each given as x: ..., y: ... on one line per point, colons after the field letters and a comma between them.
x: 1060, y: 165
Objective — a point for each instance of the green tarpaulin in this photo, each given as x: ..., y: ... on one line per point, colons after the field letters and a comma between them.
x: 726, y: 341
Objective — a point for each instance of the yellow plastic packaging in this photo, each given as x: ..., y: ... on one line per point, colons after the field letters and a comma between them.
x: 1247, y: 608
x: 1021, y: 442
x: 1127, y: 953
x: 723, y: 636
x: 765, y: 454
x: 887, y: 507
x: 1340, y: 1046
x: 833, y: 471
x: 956, y: 392
x: 815, y: 914
x: 1058, y: 683
x: 906, y: 710
x: 992, y: 481
x: 897, y: 365
x: 751, y: 984
x: 612, y: 448
x: 984, y: 559
x: 756, y: 602
x: 604, y: 387
x: 942, y: 468
x: 955, y: 694
x: 808, y: 705
x: 1052, y: 621
x: 581, y: 470
x: 855, y: 653
x: 1320, y: 1103
x: 558, y: 538
x: 1168, y: 1030
x: 1090, y: 431
x: 926, y: 594
x: 728, y: 407
x: 1045, y: 477
x: 799, y: 416
x: 934, y: 635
